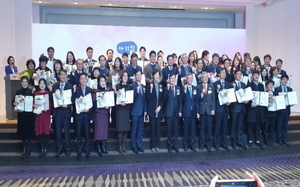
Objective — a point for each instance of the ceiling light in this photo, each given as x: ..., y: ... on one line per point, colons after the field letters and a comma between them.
x: 109, y: 4
x: 40, y: 1
x: 175, y: 6
x: 75, y: 3
x: 143, y: 5
x: 206, y: 8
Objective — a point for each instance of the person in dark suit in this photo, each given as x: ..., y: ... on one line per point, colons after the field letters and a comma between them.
x: 183, y: 70
x: 62, y: 116
x: 271, y: 116
x: 207, y: 107
x: 155, y: 102
x: 110, y: 57
x: 82, y: 118
x: 222, y: 112
x: 103, y: 69
x: 229, y: 73
x: 89, y: 62
x: 238, y: 111
x: 283, y: 115
x: 189, y: 112
x: 279, y: 63
x: 74, y: 78
x: 255, y: 114
x: 11, y: 68
x: 149, y: 68
x: 166, y: 71
x: 133, y: 67
x: 172, y: 112
x: 213, y: 69
x: 138, y: 111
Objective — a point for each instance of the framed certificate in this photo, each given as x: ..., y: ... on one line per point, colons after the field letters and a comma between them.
x: 62, y: 98
x: 243, y: 95
x: 83, y: 103
x: 105, y: 99
x: 264, y: 99
x: 280, y: 102
x: 92, y: 83
x: 124, y: 97
x: 292, y: 98
x: 226, y: 96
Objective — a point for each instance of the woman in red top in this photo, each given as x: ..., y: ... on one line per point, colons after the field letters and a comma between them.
x: 42, y: 109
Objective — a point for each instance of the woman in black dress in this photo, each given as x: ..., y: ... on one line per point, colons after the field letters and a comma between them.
x: 122, y: 113
x: 25, y: 119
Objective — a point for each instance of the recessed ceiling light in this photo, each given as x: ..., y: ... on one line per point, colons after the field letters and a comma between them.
x: 143, y: 5
x: 109, y: 4
x: 175, y: 6
x: 40, y: 1
x: 206, y: 8
x: 75, y: 3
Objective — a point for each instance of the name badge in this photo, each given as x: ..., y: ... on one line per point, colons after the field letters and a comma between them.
x: 209, y: 91
x: 160, y: 90
x: 194, y: 92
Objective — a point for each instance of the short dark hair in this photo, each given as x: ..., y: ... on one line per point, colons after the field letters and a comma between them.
x: 133, y: 55
x: 43, y: 59
x: 215, y: 55
x: 124, y: 54
x: 222, y: 69
x: 83, y: 74
x: 204, y: 53
x: 50, y: 48
x: 64, y: 71
x: 238, y: 70
x: 8, y: 59
x: 142, y: 47
x: 152, y: 52
x: 94, y: 69
x: 172, y: 74
x: 122, y: 74
x: 270, y: 81
x: 156, y: 71
x: 109, y: 50
x: 174, y: 55
x: 284, y: 76
x: 169, y: 56
x: 160, y: 51
x: 74, y: 59
x: 25, y: 77
x: 89, y: 48
x: 138, y: 71
x: 267, y: 56
x: 100, y: 57
x: 30, y: 61
x: 256, y: 58
x: 272, y: 70
x: 279, y: 60
x: 255, y: 72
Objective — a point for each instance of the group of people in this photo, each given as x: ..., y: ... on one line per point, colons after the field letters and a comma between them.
x: 183, y: 92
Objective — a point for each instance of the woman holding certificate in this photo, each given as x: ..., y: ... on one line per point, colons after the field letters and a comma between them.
x: 122, y: 112
x: 25, y: 116
x: 42, y: 117
x: 101, y: 117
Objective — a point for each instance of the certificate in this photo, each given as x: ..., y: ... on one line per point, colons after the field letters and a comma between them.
x: 289, y: 81
x: 115, y: 79
x: 256, y: 98
x: 292, y: 98
x: 20, y: 99
x: 92, y: 83
x: 28, y: 103
x: 280, y: 102
x: 286, y: 100
x: 124, y: 97
x: 245, y: 79
x: 243, y: 95
x: 62, y: 98
x: 264, y: 99
x: 142, y: 64
x: 226, y: 96
x: 83, y: 103
x: 272, y: 104
x: 105, y: 99
x: 143, y: 81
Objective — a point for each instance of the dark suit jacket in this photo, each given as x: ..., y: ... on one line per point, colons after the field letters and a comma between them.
x: 219, y: 108
x: 252, y: 112
x: 131, y: 70
x: 278, y: 90
x: 153, y: 102
x: 282, y: 72
x: 183, y: 74
x: 77, y: 94
x: 148, y: 71
x: 74, y: 78
x: 139, y: 105
x: 207, y: 102
x: 104, y: 72
x: 210, y: 68
x: 238, y: 107
x: 166, y: 72
x: 67, y: 111
x: 188, y: 102
x: 173, y: 106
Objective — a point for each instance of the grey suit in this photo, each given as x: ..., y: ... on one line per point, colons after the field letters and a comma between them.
x: 206, y: 105
x: 148, y: 71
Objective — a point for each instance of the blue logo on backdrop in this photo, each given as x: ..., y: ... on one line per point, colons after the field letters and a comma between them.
x: 126, y: 47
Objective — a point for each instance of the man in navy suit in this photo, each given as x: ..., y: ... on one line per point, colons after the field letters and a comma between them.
x: 138, y: 111
x: 283, y: 115
x: 173, y: 110
x: 170, y: 69
x: 214, y: 68
x: 279, y: 63
x: 74, y: 78
x: 238, y: 111
x: 207, y: 107
x: 184, y: 69
x: 62, y: 116
x: 255, y: 114
x: 222, y: 112
x: 189, y: 95
x: 133, y: 67
x: 83, y: 118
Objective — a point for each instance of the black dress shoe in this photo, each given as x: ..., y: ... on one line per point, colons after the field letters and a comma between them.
x: 169, y: 150
x: 141, y: 150
x: 201, y: 148
x: 135, y: 151
x: 270, y: 143
x: 193, y: 149
x: 241, y: 145
x: 234, y: 146
x: 59, y: 153
x: 217, y: 148
x: 225, y: 147
x: 78, y: 155
x: 280, y: 143
x: 68, y: 153
x: 250, y: 145
x: 185, y: 149
x: 87, y: 154
x: 286, y: 144
x: 260, y: 145
x: 208, y: 149
x: 176, y: 150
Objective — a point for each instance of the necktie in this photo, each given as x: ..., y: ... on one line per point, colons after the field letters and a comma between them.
x: 284, y: 88
x: 190, y: 90
x: 83, y: 90
x: 215, y: 68
x: 185, y: 70
x: 171, y: 68
x: 141, y: 89
x: 205, y: 88
x: 223, y: 84
x: 173, y: 91
x: 239, y: 85
x: 256, y: 87
x: 61, y: 87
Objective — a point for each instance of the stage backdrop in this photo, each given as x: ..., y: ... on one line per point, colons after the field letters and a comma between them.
x: 77, y: 38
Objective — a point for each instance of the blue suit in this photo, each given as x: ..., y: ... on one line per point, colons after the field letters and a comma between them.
x: 213, y: 68
x: 74, y: 78
x: 166, y: 72
x: 8, y: 70
x: 189, y: 113
x: 283, y: 118
x: 139, y: 106
x: 131, y: 71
